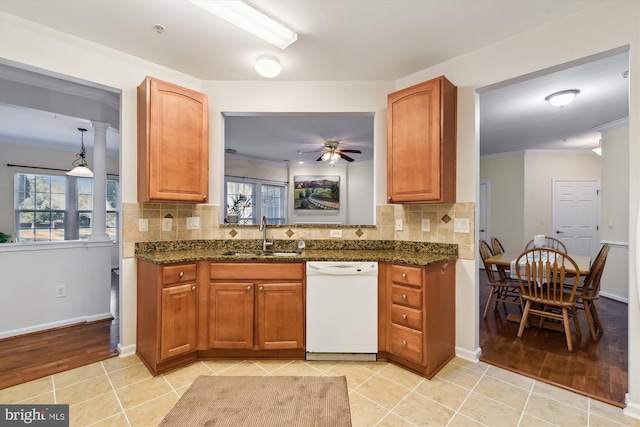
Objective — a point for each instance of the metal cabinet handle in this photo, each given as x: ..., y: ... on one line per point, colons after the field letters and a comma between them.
x: 404, y: 317
x: 261, y: 288
x: 388, y: 197
x: 249, y: 287
x: 404, y: 296
x: 193, y: 288
x: 404, y: 342
x: 181, y: 274
x: 204, y: 197
x: 404, y: 275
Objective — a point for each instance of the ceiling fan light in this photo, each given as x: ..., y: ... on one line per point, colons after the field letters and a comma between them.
x: 326, y: 156
x: 268, y: 66
x: 562, y: 98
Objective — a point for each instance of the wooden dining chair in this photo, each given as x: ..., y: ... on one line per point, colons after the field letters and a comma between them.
x: 498, y: 248
x: 503, y: 291
x: 589, y: 292
x: 549, y: 242
x: 548, y: 289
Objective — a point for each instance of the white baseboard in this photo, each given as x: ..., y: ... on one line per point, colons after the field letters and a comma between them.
x: 125, y: 351
x: 53, y: 325
x: 632, y: 410
x: 473, y: 356
x: 614, y: 297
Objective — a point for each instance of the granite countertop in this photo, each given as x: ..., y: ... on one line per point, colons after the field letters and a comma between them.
x: 406, y: 253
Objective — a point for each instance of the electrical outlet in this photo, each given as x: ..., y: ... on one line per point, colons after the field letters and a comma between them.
x: 166, y: 224
x: 61, y: 291
x: 461, y: 225
x: 399, y: 224
x: 193, y: 222
x: 335, y: 233
x: 143, y: 224
x: 426, y: 224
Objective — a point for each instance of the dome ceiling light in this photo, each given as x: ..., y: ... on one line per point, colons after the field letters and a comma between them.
x: 562, y: 98
x: 268, y: 66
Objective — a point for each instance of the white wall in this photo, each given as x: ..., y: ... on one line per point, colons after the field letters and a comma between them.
x: 360, y: 205
x: 607, y: 25
x: 614, y: 209
x: 28, y: 300
x: 505, y: 175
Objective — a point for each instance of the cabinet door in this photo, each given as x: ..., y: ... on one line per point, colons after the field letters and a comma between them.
x: 173, y: 143
x: 178, y: 320
x: 280, y: 315
x: 421, y: 143
x: 231, y: 315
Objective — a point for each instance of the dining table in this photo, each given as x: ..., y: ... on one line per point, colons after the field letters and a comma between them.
x: 506, y: 259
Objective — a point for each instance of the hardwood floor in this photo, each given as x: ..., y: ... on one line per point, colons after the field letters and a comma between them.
x: 596, y: 369
x: 28, y: 357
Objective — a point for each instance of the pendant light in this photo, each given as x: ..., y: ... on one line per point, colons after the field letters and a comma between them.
x: 80, y: 163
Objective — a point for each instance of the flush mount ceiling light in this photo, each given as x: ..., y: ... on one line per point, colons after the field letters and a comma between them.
x: 268, y: 66
x: 80, y: 163
x: 562, y: 98
x: 251, y: 20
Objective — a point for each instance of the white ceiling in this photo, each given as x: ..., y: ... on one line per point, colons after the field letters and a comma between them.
x: 359, y: 40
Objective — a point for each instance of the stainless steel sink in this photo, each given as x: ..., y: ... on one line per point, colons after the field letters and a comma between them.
x: 261, y: 254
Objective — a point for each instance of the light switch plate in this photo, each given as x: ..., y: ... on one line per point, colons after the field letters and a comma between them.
x: 335, y: 233
x: 426, y: 224
x: 166, y: 224
x: 143, y: 224
x: 193, y: 222
x: 461, y: 225
x: 399, y: 224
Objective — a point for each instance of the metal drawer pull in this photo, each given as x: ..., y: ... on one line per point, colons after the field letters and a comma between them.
x: 404, y: 296
x: 404, y: 275
x: 261, y: 288
x: 404, y: 317
x: 193, y: 288
x: 404, y: 342
x: 249, y: 287
x: 181, y: 274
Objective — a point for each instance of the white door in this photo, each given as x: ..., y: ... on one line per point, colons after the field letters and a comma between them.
x: 576, y: 215
x: 483, y: 212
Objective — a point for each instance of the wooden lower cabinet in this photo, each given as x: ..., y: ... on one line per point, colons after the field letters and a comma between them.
x: 417, y: 316
x: 167, y: 321
x: 256, y: 306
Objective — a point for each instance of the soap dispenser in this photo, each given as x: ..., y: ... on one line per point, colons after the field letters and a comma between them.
x: 301, y: 245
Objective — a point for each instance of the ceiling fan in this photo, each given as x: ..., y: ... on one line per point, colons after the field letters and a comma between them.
x: 332, y: 153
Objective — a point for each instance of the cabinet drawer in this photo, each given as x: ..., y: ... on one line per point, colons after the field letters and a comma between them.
x: 409, y: 297
x: 406, y: 316
x: 406, y: 275
x: 407, y: 343
x: 256, y: 270
x: 179, y: 273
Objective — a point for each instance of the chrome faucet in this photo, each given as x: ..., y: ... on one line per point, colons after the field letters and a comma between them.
x: 263, y: 228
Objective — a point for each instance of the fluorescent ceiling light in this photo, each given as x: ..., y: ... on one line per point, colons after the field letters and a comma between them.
x: 267, y: 66
x: 560, y: 99
x: 251, y: 20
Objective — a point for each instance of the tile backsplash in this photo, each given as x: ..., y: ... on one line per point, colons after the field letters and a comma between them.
x: 441, y: 219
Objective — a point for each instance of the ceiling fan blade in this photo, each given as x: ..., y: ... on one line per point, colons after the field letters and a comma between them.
x: 347, y: 158
x: 319, y: 158
x: 351, y: 151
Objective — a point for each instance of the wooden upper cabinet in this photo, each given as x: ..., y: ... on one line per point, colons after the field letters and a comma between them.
x: 421, y: 143
x: 173, y: 143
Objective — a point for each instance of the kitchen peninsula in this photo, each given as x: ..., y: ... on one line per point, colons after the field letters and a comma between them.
x: 179, y: 283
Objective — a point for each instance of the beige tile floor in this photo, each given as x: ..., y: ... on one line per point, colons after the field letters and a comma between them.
x: 121, y: 392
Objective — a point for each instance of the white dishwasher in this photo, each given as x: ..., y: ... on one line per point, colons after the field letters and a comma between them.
x: 342, y: 310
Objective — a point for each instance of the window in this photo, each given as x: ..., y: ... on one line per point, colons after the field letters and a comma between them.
x: 261, y: 198
x: 53, y: 207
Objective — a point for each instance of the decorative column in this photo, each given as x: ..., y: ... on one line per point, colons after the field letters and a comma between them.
x: 99, y: 215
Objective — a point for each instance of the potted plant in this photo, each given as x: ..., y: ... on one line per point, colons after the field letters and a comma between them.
x: 237, y: 206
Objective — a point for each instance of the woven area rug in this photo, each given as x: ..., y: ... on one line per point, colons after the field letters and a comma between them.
x: 262, y: 402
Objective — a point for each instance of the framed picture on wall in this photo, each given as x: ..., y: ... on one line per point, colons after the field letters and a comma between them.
x: 316, y: 192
